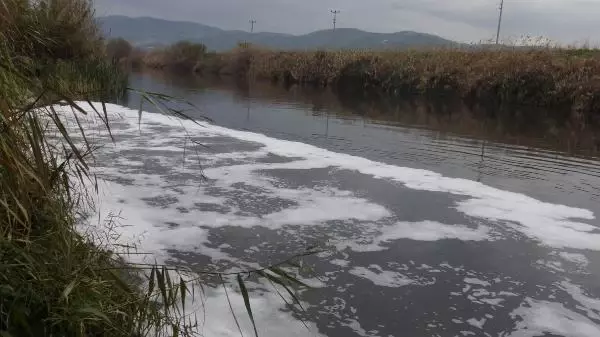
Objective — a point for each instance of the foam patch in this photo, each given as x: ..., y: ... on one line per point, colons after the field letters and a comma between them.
x: 152, y: 177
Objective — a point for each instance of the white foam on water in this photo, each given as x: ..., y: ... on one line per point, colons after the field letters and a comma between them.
x: 157, y: 228
x: 431, y: 231
x: 217, y: 319
x: 551, y: 224
x: 358, y: 329
x: 508, y: 294
x: 340, y: 262
x: 213, y: 311
x: 313, y: 206
x: 379, y: 239
x: 477, y: 323
x: 547, y: 223
x: 483, y: 295
x: 320, y: 209
x: 149, y: 225
x: 586, y: 303
x: 579, y: 259
x: 384, y: 278
x: 538, y: 318
x: 337, y: 310
x: 492, y: 301
x: 476, y: 281
x: 446, y: 265
x: 553, y: 266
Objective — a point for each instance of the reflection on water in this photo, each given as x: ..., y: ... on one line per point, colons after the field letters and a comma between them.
x: 505, y: 149
x: 525, y: 126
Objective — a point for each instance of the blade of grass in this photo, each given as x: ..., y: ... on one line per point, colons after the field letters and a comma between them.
x: 230, y: 306
x: 182, y: 289
x: 106, y: 119
x: 247, y: 302
x: 67, y: 138
x: 288, y: 303
x: 285, y: 286
x: 287, y: 276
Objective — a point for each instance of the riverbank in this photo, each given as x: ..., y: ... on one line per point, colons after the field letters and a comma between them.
x: 565, y: 79
x: 56, y: 280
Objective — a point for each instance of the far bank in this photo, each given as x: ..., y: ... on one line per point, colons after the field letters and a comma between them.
x: 561, y: 79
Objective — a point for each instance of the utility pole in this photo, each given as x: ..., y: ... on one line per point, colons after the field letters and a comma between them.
x: 499, y: 22
x: 252, y: 22
x: 335, y: 13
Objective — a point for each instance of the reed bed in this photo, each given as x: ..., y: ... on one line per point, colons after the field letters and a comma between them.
x: 549, y: 77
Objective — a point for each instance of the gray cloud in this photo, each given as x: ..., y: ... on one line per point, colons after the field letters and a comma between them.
x: 465, y: 20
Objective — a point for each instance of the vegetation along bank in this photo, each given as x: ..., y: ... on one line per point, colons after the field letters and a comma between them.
x: 53, y: 280
x: 567, y: 79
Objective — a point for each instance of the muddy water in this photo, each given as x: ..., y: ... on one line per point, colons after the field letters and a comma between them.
x: 438, y: 220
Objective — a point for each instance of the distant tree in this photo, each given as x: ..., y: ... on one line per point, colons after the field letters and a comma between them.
x: 118, y: 49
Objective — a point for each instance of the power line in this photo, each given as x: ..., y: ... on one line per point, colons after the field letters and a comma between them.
x: 499, y: 21
x: 252, y: 22
x: 335, y: 13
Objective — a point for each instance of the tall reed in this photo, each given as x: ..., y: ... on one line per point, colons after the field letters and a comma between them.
x: 538, y: 76
x: 53, y: 281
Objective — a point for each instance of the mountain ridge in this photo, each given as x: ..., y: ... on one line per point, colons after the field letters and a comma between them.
x: 152, y: 32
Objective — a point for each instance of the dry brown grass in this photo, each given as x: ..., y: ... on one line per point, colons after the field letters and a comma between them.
x: 547, y: 77
x: 181, y: 56
x: 558, y: 78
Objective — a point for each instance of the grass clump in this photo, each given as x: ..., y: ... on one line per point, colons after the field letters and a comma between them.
x: 53, y: 280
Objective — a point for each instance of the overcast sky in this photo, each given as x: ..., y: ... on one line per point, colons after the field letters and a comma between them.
x: 567, y: 21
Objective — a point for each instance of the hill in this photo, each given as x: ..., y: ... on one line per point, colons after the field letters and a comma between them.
x: 147, y: 32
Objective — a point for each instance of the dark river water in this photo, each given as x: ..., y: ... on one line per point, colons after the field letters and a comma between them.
x: 437, y: 220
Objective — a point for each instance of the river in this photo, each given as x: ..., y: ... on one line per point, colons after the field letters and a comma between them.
x: 437, y: 220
